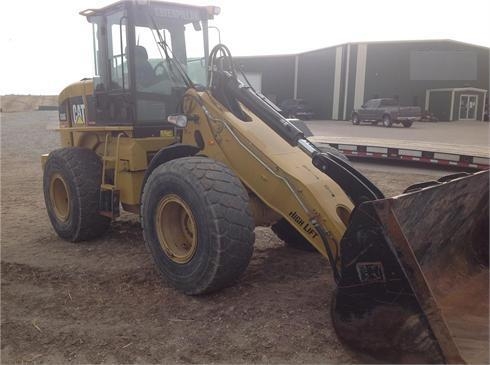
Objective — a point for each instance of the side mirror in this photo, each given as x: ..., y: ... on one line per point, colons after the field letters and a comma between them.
x: 178, y: 120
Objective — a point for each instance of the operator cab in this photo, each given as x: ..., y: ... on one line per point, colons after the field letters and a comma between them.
x: 146, y: 53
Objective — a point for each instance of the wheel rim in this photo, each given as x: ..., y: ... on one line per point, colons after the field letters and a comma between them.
x: 176, y: 229
x: 386, y: 121
x: 60, y: 199
x: 355, y: 119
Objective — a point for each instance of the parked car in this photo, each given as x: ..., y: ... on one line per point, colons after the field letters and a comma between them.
x: 296, y: 108
x: 386, y: 111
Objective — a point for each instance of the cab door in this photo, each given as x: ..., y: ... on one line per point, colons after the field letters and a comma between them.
x: 112, y: 92
x: 158, y: 91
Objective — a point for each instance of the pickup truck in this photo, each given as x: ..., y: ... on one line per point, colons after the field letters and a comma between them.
x: 386, y: 111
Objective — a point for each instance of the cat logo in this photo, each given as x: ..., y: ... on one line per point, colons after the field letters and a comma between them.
x: 79, y: 113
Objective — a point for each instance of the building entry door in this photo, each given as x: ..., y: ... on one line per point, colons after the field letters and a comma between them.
x: 467, y: 107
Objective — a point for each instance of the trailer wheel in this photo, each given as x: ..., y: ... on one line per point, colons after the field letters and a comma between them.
x: 197, y: 224
x: 387, y: 121
x: 71, y: 184
x: 291, y: 237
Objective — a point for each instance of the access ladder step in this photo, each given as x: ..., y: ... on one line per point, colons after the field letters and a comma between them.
x: 109, y: 187
x: 109, y: 202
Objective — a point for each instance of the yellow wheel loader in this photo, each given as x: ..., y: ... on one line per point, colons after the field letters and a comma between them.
x: 166, y: 130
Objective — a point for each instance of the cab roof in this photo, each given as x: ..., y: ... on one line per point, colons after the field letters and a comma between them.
x: 172, y: 10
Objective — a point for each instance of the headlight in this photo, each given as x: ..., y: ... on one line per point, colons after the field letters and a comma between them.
x: 178, y: 120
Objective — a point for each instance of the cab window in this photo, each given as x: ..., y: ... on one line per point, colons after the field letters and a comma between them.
x: 152, y: 71
x: 116, y: 24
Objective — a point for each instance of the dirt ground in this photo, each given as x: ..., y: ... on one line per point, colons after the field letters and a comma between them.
x: 103, y: 302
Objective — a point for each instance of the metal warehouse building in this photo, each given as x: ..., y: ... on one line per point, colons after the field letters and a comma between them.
x: 447, y: 78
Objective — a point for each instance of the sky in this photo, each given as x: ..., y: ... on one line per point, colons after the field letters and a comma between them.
x: 46, y: 45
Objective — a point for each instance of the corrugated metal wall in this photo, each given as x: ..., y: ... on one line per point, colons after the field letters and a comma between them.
x: 316, y: 72
x: 277, y: 74
x: 388, y: 70
x: 367, y: 70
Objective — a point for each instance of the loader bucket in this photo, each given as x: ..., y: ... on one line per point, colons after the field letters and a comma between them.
x: 414, y: 275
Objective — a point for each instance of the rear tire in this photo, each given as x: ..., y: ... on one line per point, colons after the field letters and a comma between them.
x: 71, y: 184
x: 291, y: 237
x: 407, y: 124
x: 387, y: 121
x: 197, y: 224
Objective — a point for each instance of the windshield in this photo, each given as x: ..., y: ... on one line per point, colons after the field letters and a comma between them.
x: 183, y: 46
x: 167, y: 49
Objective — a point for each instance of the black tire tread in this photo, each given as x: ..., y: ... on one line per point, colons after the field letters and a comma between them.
x: 82, y: 169
x: 354, y: 122
x: 388, y: 118
x: 291, y: 237
x: 232, y: 223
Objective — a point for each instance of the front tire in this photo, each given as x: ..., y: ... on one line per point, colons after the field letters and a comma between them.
x: 197, y: 224
x: 355, y: 119
x: 387, y: 121
x: 71, y: 184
